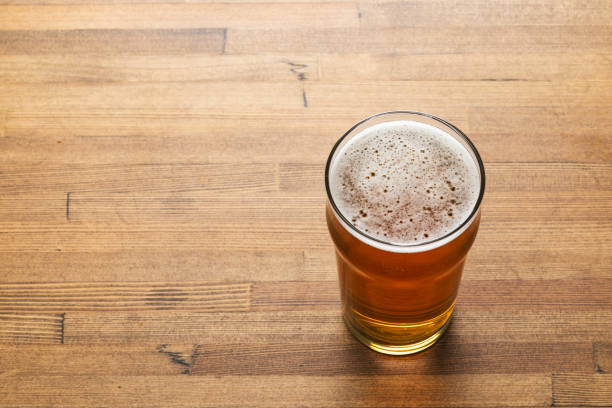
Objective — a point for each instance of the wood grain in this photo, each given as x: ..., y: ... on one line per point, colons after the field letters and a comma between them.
x: 155, y: 265
x: 588, y: 294
x: 424, y: 40
x: 513, y: 324
x: 258, y: 96
x: 30, y: 137
x: 162, y: 233
x: 37, y: 328
x: 293, y: 358
x: 485, y: 262
x: 394, y: 13
x: 483, y: 66
x: 186, y: 15
x: 450, y: 357
x: 583, y: 390
x: 196, y: 296
x: 157, y: 68
x: 278, y: 391
x: 112, y: 41
x: 602, y: 357
x: 501, y: 177
x: 171, y: 97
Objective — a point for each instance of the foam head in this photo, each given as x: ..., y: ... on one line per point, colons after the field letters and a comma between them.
x: 404, y: 182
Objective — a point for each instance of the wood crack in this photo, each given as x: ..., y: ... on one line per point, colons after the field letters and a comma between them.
x: 180, y: 358
x: 62, y: 328
x: 68, y: 206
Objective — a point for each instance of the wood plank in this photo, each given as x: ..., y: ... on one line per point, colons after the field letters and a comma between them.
x: 39, y: 328
x: 362, y: 99
x: 549, y: 294
x: 166, y: 97
x: 502, y: 235
x: 571, y: 390
x: 289, y: 358
x: 462, y: 390
x: 331, y: 67
x: 484, y: 262
x: 189, y: 137
x: 424, y: 40
x: 112, y: 42
x: 253, y: 236
x: 88, y: 137
x: 516, y: 324
x: 542, y: 133
x: 530, y: 325
x: 602, y: 357
x: 393, y: 13
x: 484, y: 66
x: 188, y: 327
x: 178, y: 15
x: 193, y: 208
x: 144, y: 177
x: 543, y: 294
x: 73, y: 68
x: 543, y: 121
x: 277, y: 236
x: 209, y: 207
x: 504, y: 177
x: 113, y: 296
x: 523, y: 177
x: 426, y: 95
x: 128, y: 126
x: 70, y: 360
x: 446, y: 357
x: 549, y: 206
x: 545, y: 262
x: 256, y: 235
x: 157, y: 265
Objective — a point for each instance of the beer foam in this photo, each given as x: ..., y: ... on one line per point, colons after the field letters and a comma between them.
x: 404, y: 182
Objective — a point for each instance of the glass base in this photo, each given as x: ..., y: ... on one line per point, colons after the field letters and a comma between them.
x: 398, y: 349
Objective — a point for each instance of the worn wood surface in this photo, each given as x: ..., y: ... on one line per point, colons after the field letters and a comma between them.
x: 162, y: 233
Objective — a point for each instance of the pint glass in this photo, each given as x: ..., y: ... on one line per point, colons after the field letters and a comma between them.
x: 403, y: 207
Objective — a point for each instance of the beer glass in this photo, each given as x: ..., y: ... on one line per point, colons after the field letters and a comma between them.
x: 398, y: 294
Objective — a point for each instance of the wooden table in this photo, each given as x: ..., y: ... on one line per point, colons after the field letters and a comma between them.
x: 162, y: 233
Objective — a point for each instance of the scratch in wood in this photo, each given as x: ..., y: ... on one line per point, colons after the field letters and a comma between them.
x: 62, y: 328
x: 295, y: 67
x: 304, y: 98
x: 68, y: 206
x: 598, y: 368
x: 224, y: 41
x: 174, y: 357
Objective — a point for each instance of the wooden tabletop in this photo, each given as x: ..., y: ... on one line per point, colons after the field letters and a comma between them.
x: 162, y: 231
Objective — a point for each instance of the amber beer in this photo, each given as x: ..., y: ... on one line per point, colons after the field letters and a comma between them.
x: 404, y: 192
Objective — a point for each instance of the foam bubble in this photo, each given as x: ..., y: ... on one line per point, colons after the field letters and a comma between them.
x: 404, y: 182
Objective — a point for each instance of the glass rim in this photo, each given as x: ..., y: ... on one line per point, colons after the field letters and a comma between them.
x: 420, y: 244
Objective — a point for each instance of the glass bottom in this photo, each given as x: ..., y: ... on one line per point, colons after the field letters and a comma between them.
x: 398, y: 339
